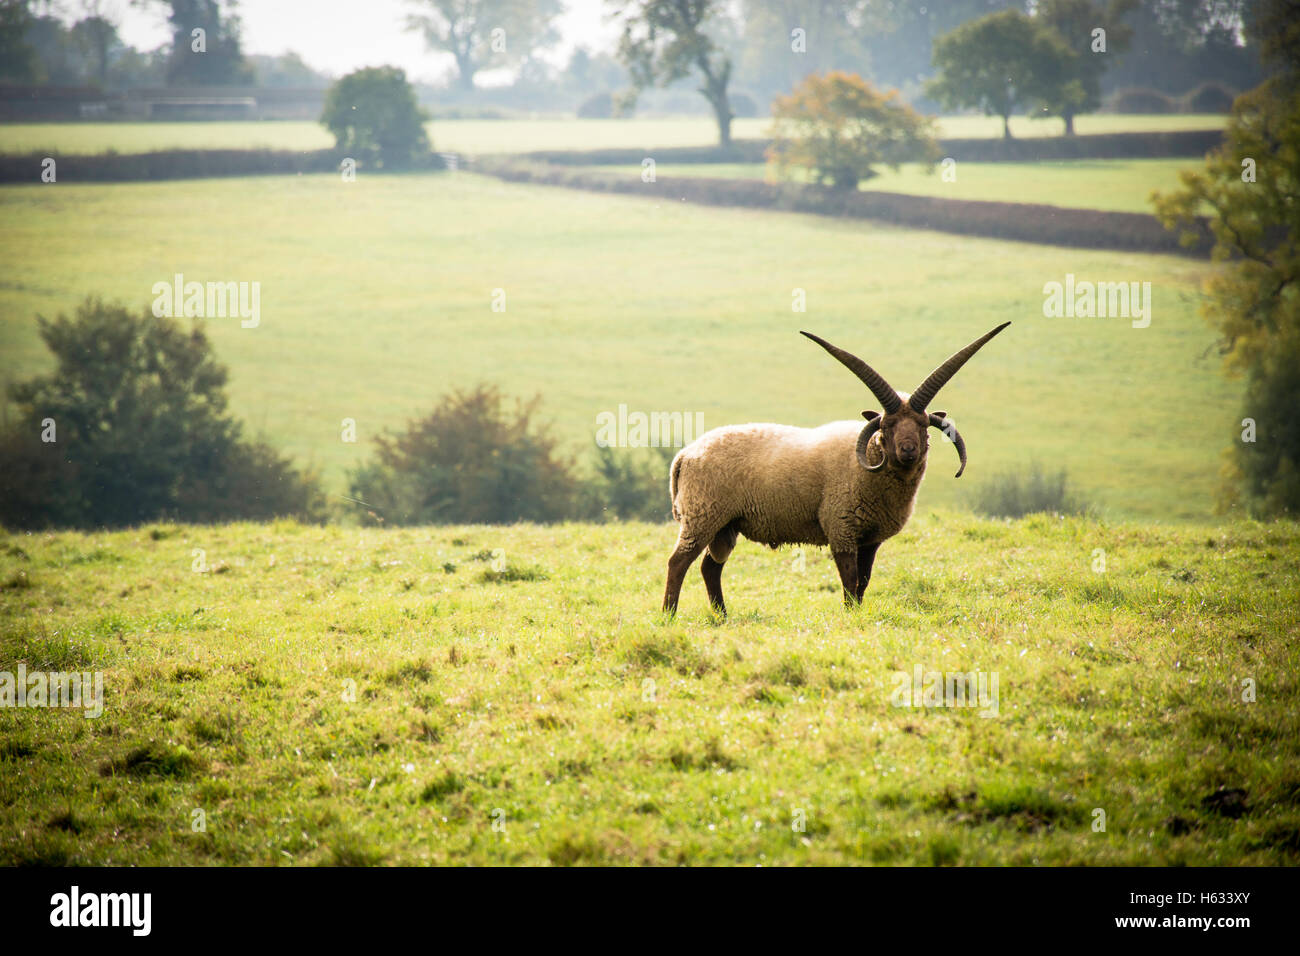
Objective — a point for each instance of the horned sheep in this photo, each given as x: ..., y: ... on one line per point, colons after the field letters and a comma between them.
x: 842, y: 484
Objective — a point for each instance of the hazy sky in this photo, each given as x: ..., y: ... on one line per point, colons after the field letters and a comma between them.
x: 340, y: 35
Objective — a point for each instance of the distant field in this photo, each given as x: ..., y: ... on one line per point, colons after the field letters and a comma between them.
x: 335, y: 696
x: 376, y: 299
x: 1118, y: 185
x: 504, y: 136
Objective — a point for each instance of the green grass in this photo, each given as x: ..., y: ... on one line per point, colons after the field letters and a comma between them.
x: 505, y: 136
x: 376, y: 299
x: 1119, y: 185
x: 597, y: 732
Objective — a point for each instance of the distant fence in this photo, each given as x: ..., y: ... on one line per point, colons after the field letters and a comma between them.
x: 1179, y: 144
x: 1026, y: 222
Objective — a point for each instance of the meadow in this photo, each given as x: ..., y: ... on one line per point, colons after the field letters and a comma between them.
x: 511, y: 135
x: 345, y: 696
x: 377, y: 298
x: 1117, y: 185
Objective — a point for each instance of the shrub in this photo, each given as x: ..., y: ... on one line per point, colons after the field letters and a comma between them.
x: 373, y: 115
x: 473, y: 460
x: 1211, y: 98
x: 838, y: 126
x: 137, y: 414
x: 630, y: 485
x: 1016, y: 493
x: 1141, y: 100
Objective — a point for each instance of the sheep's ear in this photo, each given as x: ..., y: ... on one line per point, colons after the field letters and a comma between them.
x: 939, y: 414
x: 869, y: 415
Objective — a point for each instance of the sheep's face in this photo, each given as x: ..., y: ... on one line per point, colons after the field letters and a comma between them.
x: 903, y: 438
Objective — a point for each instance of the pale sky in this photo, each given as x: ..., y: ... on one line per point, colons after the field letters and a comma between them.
x: 338, y: 36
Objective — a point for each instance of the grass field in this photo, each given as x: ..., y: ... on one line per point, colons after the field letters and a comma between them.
x: 387, y: 284
x: 1117, y: 185
x: 551, y: 699
x: 505, y: 136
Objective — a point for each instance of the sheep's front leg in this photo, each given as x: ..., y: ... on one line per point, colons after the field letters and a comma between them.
x: 846, y: 562
x: 866, y: 558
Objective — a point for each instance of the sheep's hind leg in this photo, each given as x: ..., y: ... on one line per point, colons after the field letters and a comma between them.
x: 683, y: 556
x: 711, y: 566
x: 866, y: 558
x: 846, y: 562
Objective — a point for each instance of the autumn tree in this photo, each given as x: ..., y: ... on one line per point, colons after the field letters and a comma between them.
x: 838, y: 126
x: 1251, y: 188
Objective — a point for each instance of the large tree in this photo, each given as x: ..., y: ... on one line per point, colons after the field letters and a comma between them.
x: 212, y: 57
x: 1251, y: 187
x: 996, y: 64
x: 485, y: 33
x: 1078, y: 84
x: 18, y: 59
x: 664, y: 41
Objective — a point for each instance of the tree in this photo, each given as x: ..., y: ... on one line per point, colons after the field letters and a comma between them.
x: 838, y: 126
x: 485, y: 33
x: 663, y: 41
x: 473, y: 459
x: 96, y: 35
x: 131, y: 427
x: 18, y: 60
x: 373, y: 115
x: 1077, y: 86
x: 997, y: 63
x: 1251, y: 187
x: 212, y: 57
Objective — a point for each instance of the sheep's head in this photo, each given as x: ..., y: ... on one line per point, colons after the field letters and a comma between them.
x: 902, y: 427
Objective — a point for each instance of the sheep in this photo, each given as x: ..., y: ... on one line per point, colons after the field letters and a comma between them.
x: 842, y: 484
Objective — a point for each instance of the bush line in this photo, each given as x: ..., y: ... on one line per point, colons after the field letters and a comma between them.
x: 1025, y: 222
x: 1179, y: 144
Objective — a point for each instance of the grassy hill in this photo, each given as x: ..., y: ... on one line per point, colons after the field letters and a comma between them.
x: 376, y: 298
x: 549, y: 698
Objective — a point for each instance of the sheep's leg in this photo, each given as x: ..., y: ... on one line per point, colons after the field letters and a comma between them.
x: 683, y: 556
x: 846, y: 562
x: 711, y: 566
x: 866, y: 558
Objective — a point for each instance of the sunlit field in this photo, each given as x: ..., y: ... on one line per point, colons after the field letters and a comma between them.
x: 376, y: 299
x: 508, y: 136
x: 1120, y: 185
x: 354, y: 697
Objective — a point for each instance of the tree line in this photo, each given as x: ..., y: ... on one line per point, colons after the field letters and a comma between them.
x: 737, y: 55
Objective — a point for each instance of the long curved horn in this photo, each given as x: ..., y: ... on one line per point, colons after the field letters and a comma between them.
x: 925, y: 393
x: 949, y: 429
x: 864, y: 438
x: 883, y: 391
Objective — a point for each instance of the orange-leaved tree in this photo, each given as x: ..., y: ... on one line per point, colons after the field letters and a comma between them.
x: 838, y: 126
